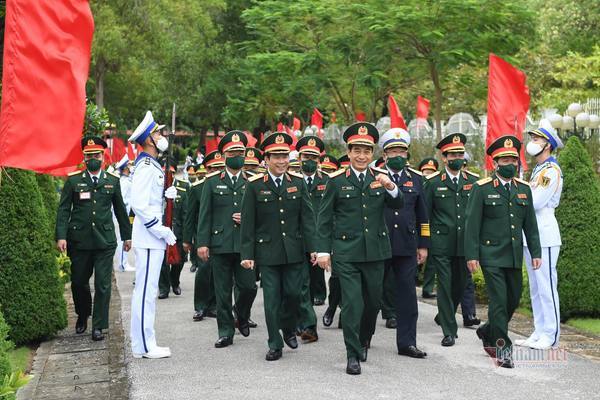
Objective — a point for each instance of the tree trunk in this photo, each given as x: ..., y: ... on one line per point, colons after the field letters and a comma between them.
x: 99, y: 75
x: 437, y: 112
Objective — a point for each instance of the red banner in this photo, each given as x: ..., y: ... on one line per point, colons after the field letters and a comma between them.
x: 361, y: 116
x: 396, y: 118
x: 422, y: 107
x: 46, y: 64
x: 508, y: 103
x: 317, y: 119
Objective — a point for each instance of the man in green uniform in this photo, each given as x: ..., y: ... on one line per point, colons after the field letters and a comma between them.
x: 499, y: 212
x: 204, y: 288
x: 219, y: 238
x: 351, y: 225
x: 277, y: 216
x: 170, y: 273
x: 428, y: 166
x: 446, y: 194
x: 193, y: 176
x: 85, y: 230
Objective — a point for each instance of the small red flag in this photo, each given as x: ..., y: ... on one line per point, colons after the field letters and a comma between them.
x: 361, y: 116
x: 317, y: 118
x: 396, y: 118
x: 508, y: 103
x: 280, y: 127
x: 297, y: 124
x: 130, y: 151
x: 211, y: 144
x: 118, y: 149
x: 422, y: 107
x: 251, y: 139
x: 46, y: 64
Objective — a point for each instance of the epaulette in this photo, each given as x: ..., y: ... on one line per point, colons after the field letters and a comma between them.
x: 199, y: 182
x: 336, y: 173
x: 483, y: 181
x: 380, y: 170
x: 250, y: 173
x: 471, y: 173
x: 75, y: 173
x: 416, y: 171
x: 296, y: 174
x: 180, y: 188
x: 255, y: 177
x: 431, y: 176
x: 521, y: 181
x: 214, y: 173
x: 113, y: 174
x: 327, y: 173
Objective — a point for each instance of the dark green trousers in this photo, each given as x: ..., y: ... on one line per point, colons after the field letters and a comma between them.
x: 83, y: 264
x: 361, y: 290
x: 281, y: 282
x: 318, y: 289
x: 204, y: 288
x: 388, y: 299
x: 428, y: 277
x: 452, y: 278
x: 504, y: 286
x: 170, y: 273
x: 227, y: 272
x: 305, y: 313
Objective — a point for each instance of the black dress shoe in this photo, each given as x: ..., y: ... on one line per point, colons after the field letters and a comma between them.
x: 353, y: 366
x: 318, y: 302
x: 163, y: 296
x: 340, y: 322
x: 328, y: 316
x: 198, y: 316
x: 391, y: 323
x: 177, y: 291
x: 481, y: 336
x: 412, y: 351
x: 193, y: 268
x: 243, y: 327
x: 97, y: 335
x: 309, y: 335
x: 364, y: 351
x: 506, y: 362
x: 224, y: 341
x: 471, y: 320
x: 290, y: 339
x: 448, y: 341
x: 81, y: 324
x: 210, y: 314
x: 427, y: 295
x: 252, y: 324
x: 273, y: 355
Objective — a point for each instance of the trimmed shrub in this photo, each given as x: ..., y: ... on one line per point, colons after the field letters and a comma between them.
x: 50, y: 197
x: 5, y: 346
x: 578, y: 216
x: 31, y: 293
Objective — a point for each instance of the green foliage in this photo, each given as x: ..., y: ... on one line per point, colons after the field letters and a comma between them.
x: 96, y: 120
x: 578, y: 277
x: 591, y: 325
x: 50, y: 197
x: 480, y: 290
x: 5, y: 346
x: 31, y: 294
x: 11, y: 383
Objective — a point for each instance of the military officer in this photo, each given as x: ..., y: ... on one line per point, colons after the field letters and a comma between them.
x: 428, y: 166
x: 150, y: 237
x: 500, y: 208
x: 328, y: 163
x: 277, y: 215
x: 193, y: 176
x: 252, y: 160
x: 294, y: 164
x: 205, y: 303
x: 85, y: 230
x: 546, y: 187
x: 344, y: 161
x: 409, y: 237
x: 446, y: 194
x: 170, y: 274
x: 123, y: 167
x: 219, y: 238
x: 351, y: 226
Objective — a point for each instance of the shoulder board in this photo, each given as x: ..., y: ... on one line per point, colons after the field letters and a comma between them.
x: 296, y: 174
x: 483, y: 181
x: 416, y: 171
x: 180, y: 188
x: 212, y: 174
x: 255, y: 177
x: 337, y: 173
x: 328, y: 174
x: 249, y: 173
x: 380, y: 170
x: 198, y: 182
x: 521, y: 181
x: 471, y: 173
x: 75, y: 173
x: 113, y: 174
x: 431, y: 176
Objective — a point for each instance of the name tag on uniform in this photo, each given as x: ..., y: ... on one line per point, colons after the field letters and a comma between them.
x: 292, y: 189
x: 522, y: 195
x: 493, y: 196
x: 221, y: 187
x: 468, y: 187
x: 321, y: 187
x: 347, y: 187
x: 265, y: 192
x: 85, y: 195
x: 375, y: 185
x: 408, y: 184
x: 441, y: 188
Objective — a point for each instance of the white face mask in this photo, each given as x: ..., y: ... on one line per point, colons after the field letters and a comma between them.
x: 534, y: 149
x: 163, y: 144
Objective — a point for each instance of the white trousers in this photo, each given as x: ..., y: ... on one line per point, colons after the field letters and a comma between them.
x: 544, y: 295
x: 148, y: 263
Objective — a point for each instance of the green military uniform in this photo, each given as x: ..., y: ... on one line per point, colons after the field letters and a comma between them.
x: 170, y: 274
x: 351, y: 226
x: 496, y: 218
x: 221, y: 198
x: 277, y: 215
x: 84, y: 220
x: 430, y: 165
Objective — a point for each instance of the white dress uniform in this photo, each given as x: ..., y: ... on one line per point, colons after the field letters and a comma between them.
x: 122, y: 255
x: 546, y: 186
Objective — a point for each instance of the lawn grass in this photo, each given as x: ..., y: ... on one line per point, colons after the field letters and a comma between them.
x: 591, y: 325
x: 525, y: 311
x: 20, y: 358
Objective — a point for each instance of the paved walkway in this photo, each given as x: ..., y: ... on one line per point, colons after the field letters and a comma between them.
x: 197, y: 370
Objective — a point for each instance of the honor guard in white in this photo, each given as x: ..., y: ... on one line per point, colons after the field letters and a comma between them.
x: 546, y: 186
x: 123, y: 167
x: 149, y: 238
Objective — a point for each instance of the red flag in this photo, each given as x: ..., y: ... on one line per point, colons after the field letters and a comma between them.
x: 118, y: 149
x: 211, y: 144
x: 317, y: 118
x: 251, y: 139
x: 422, y: 107
x: 396, y: 118
x: 361, y: 116
x: 297, y: 124
x: 280, y: 127
x: 508, y: 102
x: 130, y: 151
x: 46, y: 64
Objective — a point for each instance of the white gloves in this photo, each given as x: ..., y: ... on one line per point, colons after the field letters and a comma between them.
x: 171, y: 192
x: 162, y: 232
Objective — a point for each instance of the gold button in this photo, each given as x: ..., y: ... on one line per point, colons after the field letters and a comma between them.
x: 260, y: 240
x: 283, y: 233
x: 378, y: 193
x: 487, y: 242
x: 347, y: 195
x: 294, y: 197
x: 512, y: 226
x: 493, y: 203
x: 364, y: 194
x: 458, y: 205
x: 281, y: 210
x: 510, y: 204
x: 280, y: 199
x: 282, y: 222
x: 94, y: 201
x: 513, y: 238
x: 93, y: 212
x: 235, y: 204
x: 93, y: 224
x: 344, y: 237
x: 366, y: 230
x: 216, y: 232
x: 234, y: 193
x: 395, y: 225
x: 438, y: 232
x: 365, y: 218
x: 395, y: 212
x: 459, y: 228
x: 364, y: 206
x: 220, y: 192
x: 511, y: 215
x: 383, y: 233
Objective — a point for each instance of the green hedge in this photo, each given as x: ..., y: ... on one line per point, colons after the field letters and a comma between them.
x: 31, y: 293
x: 5, y: 346
x: 578, y: 216
x: 50, y: 196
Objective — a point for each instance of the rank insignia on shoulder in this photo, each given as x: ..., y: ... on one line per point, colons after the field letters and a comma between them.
x: 181, y: 189
x: 292, y: 189
x: 430, y: 176
x: 255, y: 177
x: 522, y: 195
x: 415, y: 171
x: 521, y: 181
x: 379, y: 170
x: 198, y: 182
x: 471, y: 173
x: 113, y: 174
x: 296, y: 174
x: 375, y: 185
x: 336, y: 173
x: 484, y: 181
x: 212, y: 174
x: 321, y: 187
x: 75, y: 173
